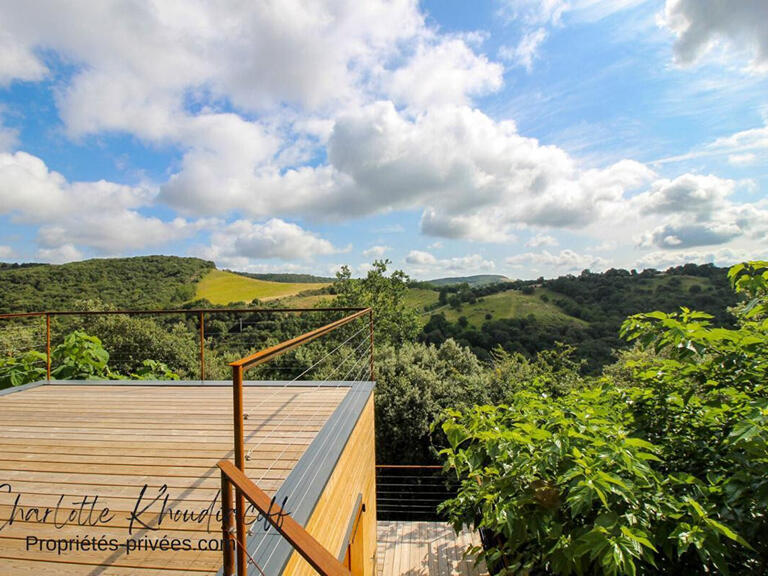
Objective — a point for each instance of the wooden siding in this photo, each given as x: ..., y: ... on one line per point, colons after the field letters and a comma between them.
x: 109, y: 441
x: 355, y: 473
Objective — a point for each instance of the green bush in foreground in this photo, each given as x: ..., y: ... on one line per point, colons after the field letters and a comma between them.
x: 664, y: 473
x: 79, y: 357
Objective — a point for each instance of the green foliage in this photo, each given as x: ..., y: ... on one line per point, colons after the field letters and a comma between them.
x: 396, y: 322
x: 80, y: 357
x: 659, y: 467
x: 142, y: 282
x: 154, y: 370
x: 132, y: 339
x: 22, y: 369
x: 551, y: 372
x: 414, y: 384
x: 584, y: 311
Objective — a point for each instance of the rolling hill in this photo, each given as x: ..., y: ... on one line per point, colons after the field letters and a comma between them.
x: 141, y: 282
x: 223, y: 287
x: 477, y: 280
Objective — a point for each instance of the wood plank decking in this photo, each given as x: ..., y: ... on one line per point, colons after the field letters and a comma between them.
x: 424, y: 549
x: 60, y: 443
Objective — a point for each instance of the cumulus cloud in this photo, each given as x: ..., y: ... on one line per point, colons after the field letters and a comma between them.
x: 700, y: 25
x: 696, y: 210
x: 688, y: 193
x: 720, y: 257
x: 6, y: 252
x: 441, y: 73
x: 376, y: 251
x: 541, y: 240
x: 243, y: 241
x: 421, y: 264
x: 103, y: 216
x: 60, y: 254
x: 564, y: 262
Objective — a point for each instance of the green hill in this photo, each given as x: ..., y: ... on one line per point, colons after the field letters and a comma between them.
x: 223, y: 287
x: 585, y: 311
x: 477, y: 280
x: 141, y: 282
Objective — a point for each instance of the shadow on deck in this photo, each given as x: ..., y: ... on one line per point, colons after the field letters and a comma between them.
x: 425, y: 549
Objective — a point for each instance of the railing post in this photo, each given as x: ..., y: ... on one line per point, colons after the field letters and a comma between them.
x: 226, y: 526
x: 48, y: 346
x: 202, y: 345
x: 237, y: 391
x: 370, y: 315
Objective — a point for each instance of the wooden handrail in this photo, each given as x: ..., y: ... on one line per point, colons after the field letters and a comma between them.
x: 268, y: 353
x: 301, y: 540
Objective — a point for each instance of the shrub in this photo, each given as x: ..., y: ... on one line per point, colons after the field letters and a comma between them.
x: 663, y: 472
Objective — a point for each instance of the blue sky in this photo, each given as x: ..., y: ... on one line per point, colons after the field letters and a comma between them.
x: 516, y: 137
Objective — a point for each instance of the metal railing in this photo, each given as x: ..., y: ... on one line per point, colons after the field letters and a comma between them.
x: 200, y: 315
x: 233, y: 479
x: 322, y: 560
x: 412, y: 492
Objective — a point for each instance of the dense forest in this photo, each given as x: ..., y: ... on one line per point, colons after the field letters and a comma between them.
x: 595, y: 306
x: 143, y: 282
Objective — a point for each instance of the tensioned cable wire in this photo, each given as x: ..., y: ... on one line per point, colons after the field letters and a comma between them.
x: 317, y: 386
x: 262, y: 542
x: 279, y: 389
x: 345, y: 382
x: 332, y: 438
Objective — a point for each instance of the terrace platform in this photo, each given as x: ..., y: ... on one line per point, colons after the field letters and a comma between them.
x: 425, y: 549
x: 150, y: 449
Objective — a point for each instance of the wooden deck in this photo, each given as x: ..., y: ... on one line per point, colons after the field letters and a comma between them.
x: 424, y: 549
x: 60, y: 443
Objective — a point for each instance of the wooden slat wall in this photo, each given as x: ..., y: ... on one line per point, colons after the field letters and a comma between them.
x: 354, y: 474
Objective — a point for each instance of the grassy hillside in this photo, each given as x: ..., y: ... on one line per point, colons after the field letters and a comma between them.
x: 287, y: 277
x: 142, y: 282
x: 510, y: 304
x: 222, y: 287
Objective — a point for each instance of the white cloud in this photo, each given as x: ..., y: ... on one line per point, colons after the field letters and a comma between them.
x: 239, y: 243
x: 6, y: 252
x: 376, y: 251
x: 526, y: 51
x: 17, y: 61
x: 565, y: 261
x: 443, y: 73
x: 103, y: 216
x: 746, y: 159
x: 60, y: 254
x: 421, y: 264
x: 696, y: 210
x: 541, y: 240
x: 420, y: 257
x: 662, y: 260
x: 534, y: 11
x: 700, y: 25
x: 688, y: 193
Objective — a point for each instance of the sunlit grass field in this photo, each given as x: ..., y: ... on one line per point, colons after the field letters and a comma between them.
x: 222, y: 287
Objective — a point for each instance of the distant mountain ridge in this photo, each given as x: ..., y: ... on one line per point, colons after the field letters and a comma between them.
x: 476, y: 280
